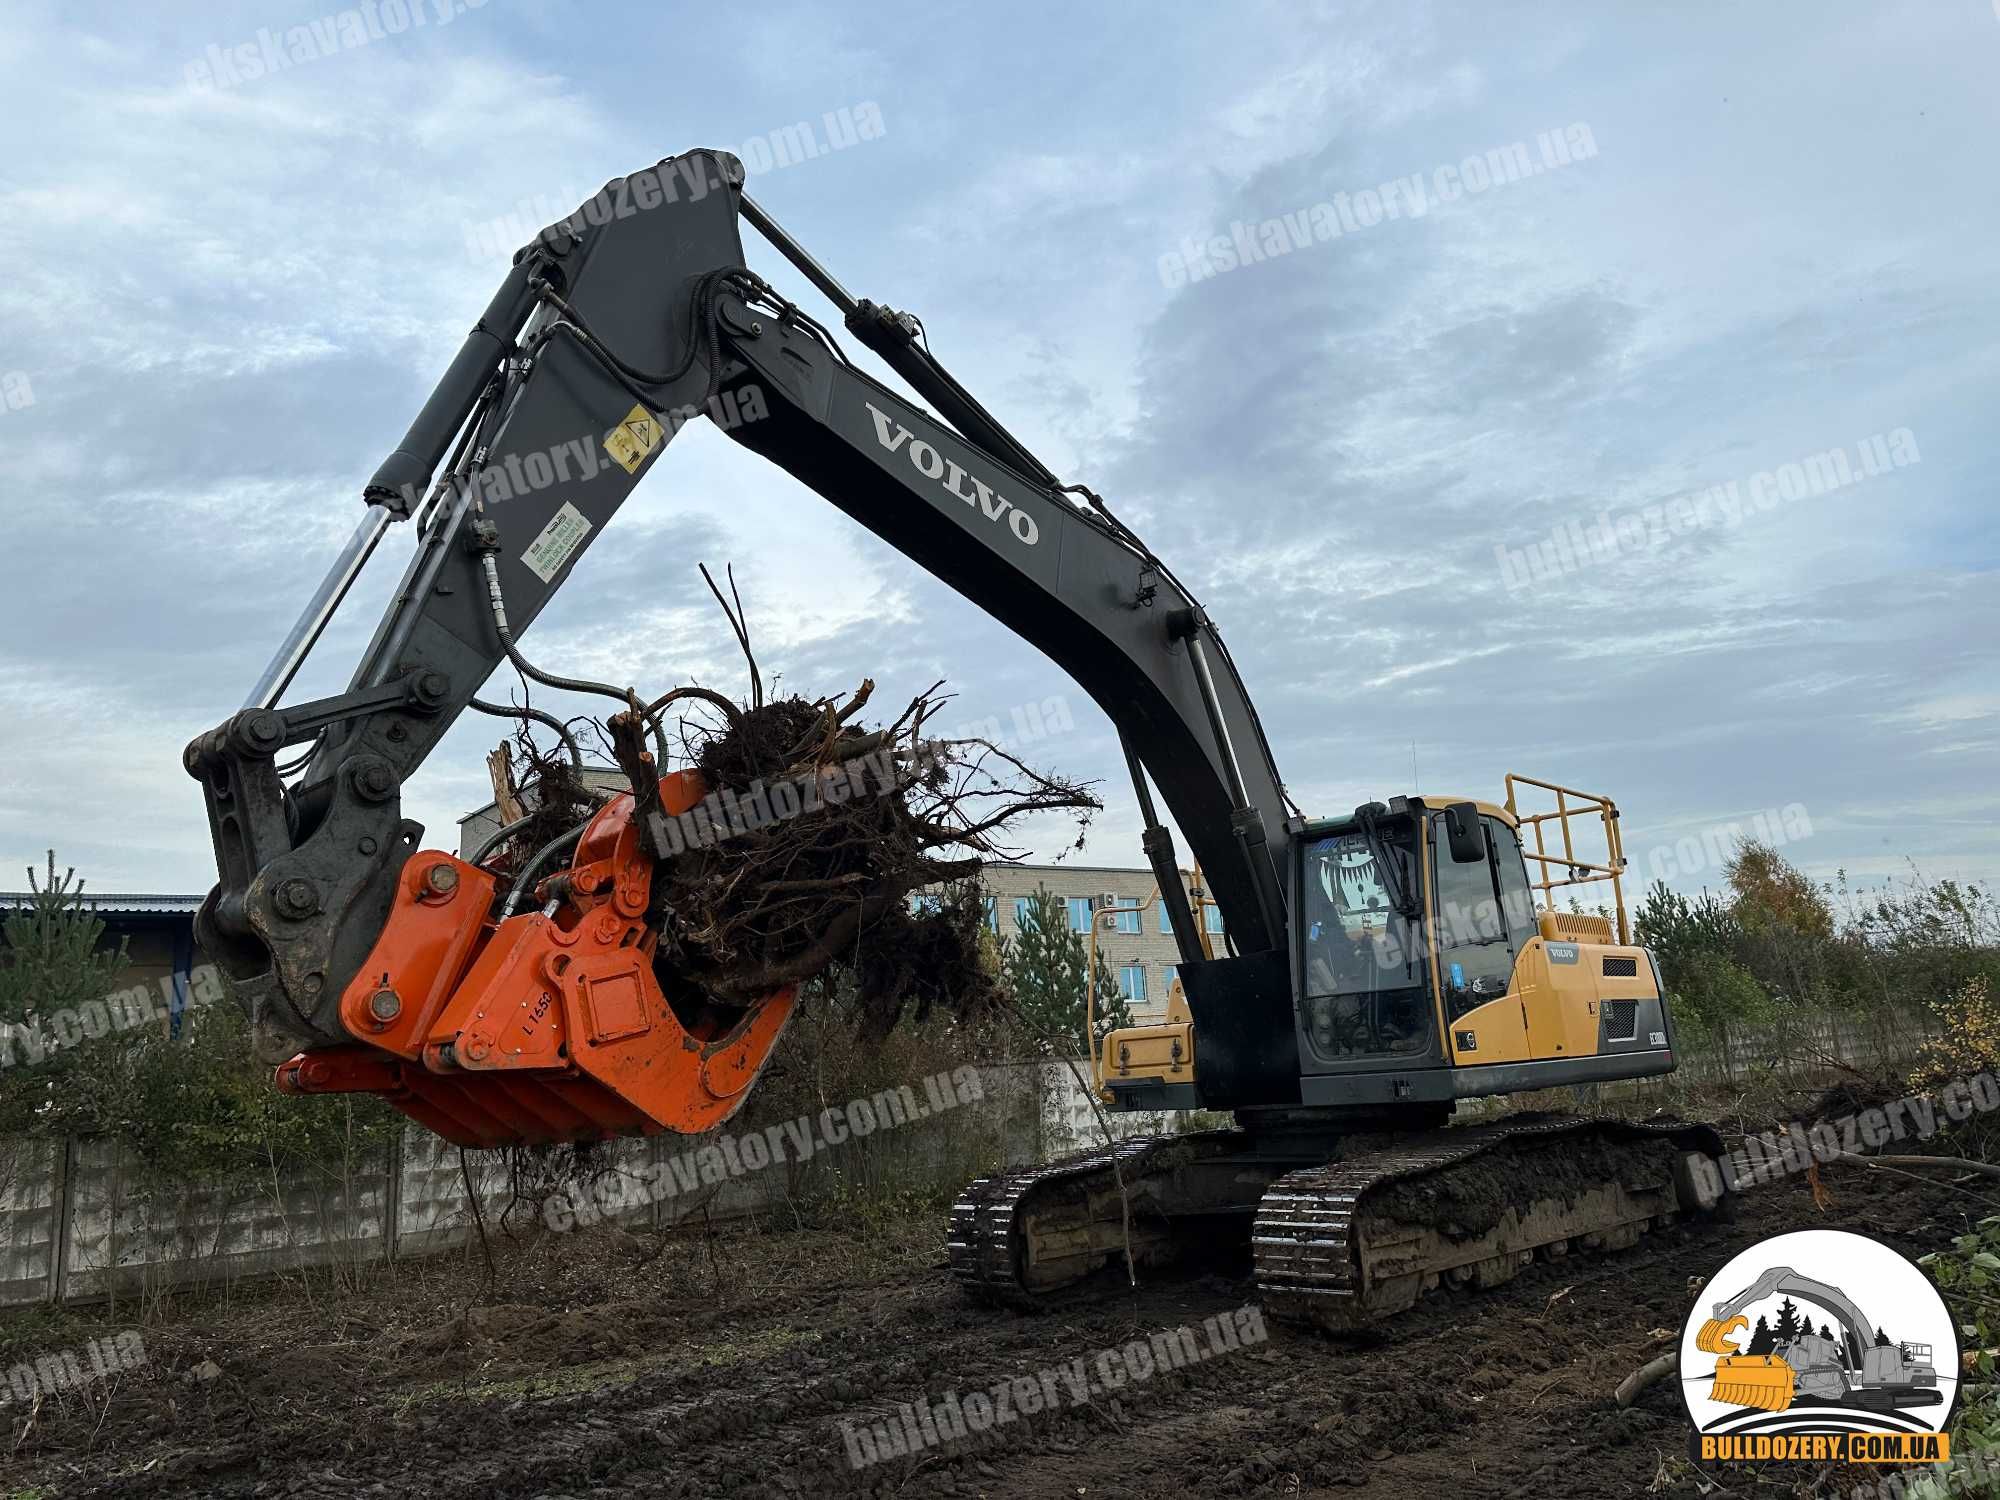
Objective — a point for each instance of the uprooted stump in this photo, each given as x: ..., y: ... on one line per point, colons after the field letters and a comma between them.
x: 814, y: 837
x: 559, y: 800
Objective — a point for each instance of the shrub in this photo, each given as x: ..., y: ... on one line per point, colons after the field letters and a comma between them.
x: 197, y: 1106
x: 1697, y: 941
x: 1967, y: 1273
x: 1969, y: 1035
x: 1928, y: 939
x: 1776, y: 942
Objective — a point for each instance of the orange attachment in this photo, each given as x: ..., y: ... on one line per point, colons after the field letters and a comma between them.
x: 548, y: 1026
x: 1763, y: 1381
x: 1713, y: 1336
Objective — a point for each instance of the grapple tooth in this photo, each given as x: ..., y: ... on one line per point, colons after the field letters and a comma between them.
x: 1762, y: 1381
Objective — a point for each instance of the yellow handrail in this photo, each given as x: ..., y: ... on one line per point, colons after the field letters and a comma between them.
x: 1571, y: 803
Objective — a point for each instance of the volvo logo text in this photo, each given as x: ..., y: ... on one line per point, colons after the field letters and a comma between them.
x: 952, y: 479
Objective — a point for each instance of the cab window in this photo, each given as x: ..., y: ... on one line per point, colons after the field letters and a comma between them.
x: 1517, y: 898
x: 1470, y: 920
x: 1367, y: 978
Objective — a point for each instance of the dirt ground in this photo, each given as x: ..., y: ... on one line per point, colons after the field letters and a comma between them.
x: 726, y: 1364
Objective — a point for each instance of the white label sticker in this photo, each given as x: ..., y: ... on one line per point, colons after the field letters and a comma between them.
x: 562, y: 536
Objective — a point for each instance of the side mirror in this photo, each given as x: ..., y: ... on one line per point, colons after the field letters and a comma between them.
x: 1461, y: 827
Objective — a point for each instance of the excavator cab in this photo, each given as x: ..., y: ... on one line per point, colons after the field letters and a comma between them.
x: 1429, y: 964
x: 1429, y: 959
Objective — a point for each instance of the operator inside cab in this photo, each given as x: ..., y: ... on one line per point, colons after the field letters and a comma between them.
x: 1365, y: 990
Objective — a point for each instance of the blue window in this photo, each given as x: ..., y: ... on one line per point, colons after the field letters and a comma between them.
x: 1169, y: 973
x: 1125, y: 919
x: 1212, y: 917
x: 1166, y: 927
x: 922, y: 902
x: 1079, y: 913
x: 1023, y: 913
x: 993, y: 914
x: 1132, y: 983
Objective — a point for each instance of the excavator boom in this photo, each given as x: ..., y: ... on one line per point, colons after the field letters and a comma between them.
x: 612, y: 330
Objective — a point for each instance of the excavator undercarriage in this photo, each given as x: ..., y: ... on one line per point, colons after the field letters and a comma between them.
x: 1357, y: 1232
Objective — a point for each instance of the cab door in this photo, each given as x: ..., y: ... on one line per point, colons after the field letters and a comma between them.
x: 1482, y: 917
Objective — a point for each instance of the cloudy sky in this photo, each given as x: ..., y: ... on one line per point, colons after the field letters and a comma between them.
x: 230, y: 288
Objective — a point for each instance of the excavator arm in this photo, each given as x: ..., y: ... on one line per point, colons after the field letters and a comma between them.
x: 1726, y: 1317
x: 613, y: 329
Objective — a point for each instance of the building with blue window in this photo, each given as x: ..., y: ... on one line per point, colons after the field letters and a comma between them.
x: 1136, y: 943
x: 157, y: 931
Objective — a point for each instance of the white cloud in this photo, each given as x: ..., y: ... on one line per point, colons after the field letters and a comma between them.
x: 231, y: 304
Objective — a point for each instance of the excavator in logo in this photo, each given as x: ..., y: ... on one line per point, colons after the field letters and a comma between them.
x: 1859, y: 1367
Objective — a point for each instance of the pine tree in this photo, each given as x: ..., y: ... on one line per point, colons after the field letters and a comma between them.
x: 51, y: 965
x: 52, y: 959
x: 1762, y: 1340
x: 1044, y: 967
x: 1788, y: 1321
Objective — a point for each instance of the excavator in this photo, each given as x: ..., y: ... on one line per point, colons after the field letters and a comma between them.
x: 1377, y: 968
x: 1857, y: 1367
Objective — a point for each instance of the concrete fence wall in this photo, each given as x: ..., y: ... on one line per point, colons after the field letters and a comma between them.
x: 1806, y: 1047
x: 1795, y: 1051
x: 78, y: 1222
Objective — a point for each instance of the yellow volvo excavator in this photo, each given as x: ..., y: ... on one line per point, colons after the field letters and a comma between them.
x: 1432, y: 967
x: 1377, y: 968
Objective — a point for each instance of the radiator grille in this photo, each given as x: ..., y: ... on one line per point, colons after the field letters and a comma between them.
x: 1621, y: 968
x: 1621, y: 1020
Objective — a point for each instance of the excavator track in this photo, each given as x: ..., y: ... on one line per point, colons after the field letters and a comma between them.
x: 1360, y: 1239
x: 1017, y: 1237
x: 1342, y: 1242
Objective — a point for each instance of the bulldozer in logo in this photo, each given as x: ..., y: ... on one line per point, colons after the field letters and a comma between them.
x: 1858, y: 1368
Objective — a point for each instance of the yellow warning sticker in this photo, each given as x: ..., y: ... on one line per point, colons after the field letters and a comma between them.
x: 632, y: 439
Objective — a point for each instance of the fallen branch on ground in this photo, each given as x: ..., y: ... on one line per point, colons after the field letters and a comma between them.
x: 1952, y: 1163
x: 1648, y: 1375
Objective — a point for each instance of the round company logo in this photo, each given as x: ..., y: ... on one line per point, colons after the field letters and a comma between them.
x: 1819, y: 1346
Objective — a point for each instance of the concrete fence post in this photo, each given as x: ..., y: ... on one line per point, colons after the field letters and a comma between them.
x: 657, y: 1161
x: 64, y: 1160
x: 115, y: 1195
x: 392, y: 1197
